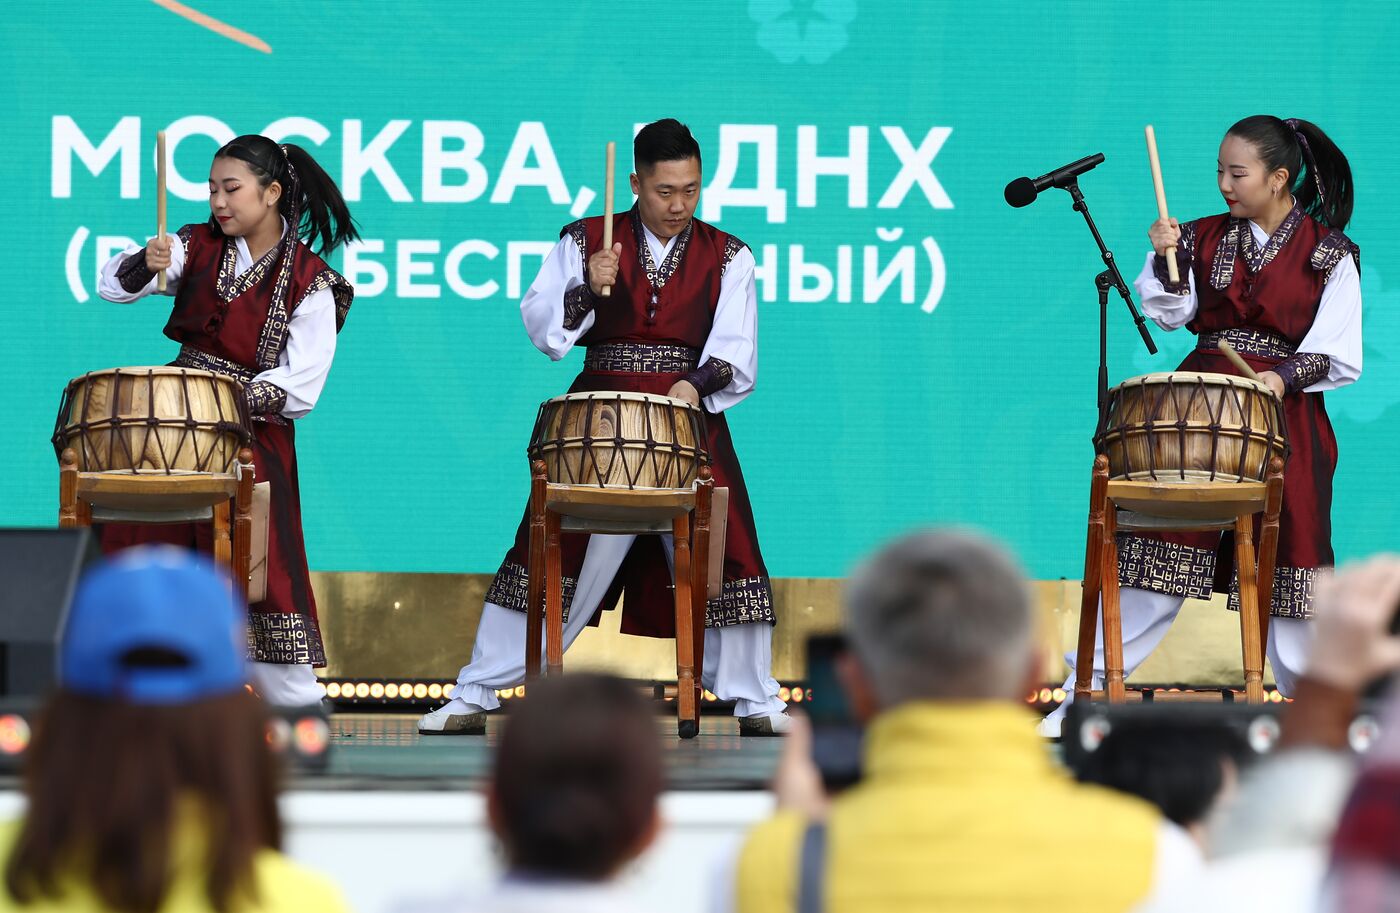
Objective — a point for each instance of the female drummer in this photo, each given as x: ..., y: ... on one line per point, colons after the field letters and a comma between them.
x: 253, y: 302
x: 1276, y: 278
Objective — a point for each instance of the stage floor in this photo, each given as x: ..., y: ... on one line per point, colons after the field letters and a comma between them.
x: 385, y: 751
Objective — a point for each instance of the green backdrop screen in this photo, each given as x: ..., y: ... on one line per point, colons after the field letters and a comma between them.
x: 927, y: 353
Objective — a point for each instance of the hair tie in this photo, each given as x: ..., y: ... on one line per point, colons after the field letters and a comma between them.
x: 293, y: 191
x: 1292, y: 124
x: 287, y: 160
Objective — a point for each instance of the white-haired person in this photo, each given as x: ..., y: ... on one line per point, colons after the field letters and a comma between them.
x: 960, y: 806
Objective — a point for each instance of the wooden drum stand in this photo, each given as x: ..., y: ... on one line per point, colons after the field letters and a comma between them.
x: 685, y: 514
x: 157, y: 497
x: 1122, y: 506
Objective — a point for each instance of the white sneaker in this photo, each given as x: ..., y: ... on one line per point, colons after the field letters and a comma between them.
x: 1050, y: 727
x: 765, y: 724
x: 456, y: 717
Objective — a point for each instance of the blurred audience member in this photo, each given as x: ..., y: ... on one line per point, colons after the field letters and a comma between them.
x: 961, y: 806
x: 1269, y: 849
x: 572, y: 799
x: 150, y: 784
x: 1185, y: 769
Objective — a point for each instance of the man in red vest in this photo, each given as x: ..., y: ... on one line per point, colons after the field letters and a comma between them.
x: 681, y: 321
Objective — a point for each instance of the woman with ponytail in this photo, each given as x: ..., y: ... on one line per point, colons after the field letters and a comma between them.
x: 254, y: 300
x: 1276, y: 278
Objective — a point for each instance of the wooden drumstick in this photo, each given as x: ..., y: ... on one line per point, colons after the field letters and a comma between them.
x: 606, y: 290
x: 1235, y: 360
x: 1156, y: 163
x: 160, y: 199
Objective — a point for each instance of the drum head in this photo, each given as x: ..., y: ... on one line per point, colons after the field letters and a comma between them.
x: 143, y: 370
x: 614, y: 439
x: 612, y: 395
x: 1190, y: 377
x: 156, y: 418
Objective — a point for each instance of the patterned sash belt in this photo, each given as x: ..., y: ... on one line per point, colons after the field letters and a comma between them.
x: 191, y: 357
x: 641, y: 358
x: 1259, y: 343
x: 265, y: 400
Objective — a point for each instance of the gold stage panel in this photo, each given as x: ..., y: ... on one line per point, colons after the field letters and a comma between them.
x: 382, y: 625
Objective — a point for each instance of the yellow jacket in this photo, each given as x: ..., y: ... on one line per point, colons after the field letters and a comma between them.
x: 961, y: 809
x: 282, y: 885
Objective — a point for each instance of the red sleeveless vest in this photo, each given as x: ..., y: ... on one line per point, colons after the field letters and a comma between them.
x: 244, y: 319
x: 685, y: 285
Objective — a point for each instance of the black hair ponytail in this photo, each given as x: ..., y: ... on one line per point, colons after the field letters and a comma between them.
x: 311, y: 202
x: 1319, y: 173
x: 1328, y: 196
x: 324, y: 215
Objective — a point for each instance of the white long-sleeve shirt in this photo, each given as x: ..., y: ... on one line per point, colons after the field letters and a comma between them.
x: 1335, y: 332
x: 733, y: 336
x: 305, y: 361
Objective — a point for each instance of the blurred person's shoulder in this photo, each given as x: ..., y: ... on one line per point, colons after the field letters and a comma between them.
x: 284, y: 884
x: 9, y: 836
x: 897, y: 826
x: 9, y: 833
x: 513, y: 896
x: 1111, y: 801
x: 765, y: 861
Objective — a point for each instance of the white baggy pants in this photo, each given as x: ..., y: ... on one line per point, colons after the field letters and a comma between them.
x: 1148, y: 615
x: 738, y: 658
x: 285, y: 685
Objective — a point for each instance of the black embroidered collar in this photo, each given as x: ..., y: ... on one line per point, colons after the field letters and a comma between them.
x: 1239, y: 239
x: 1255, y: 258
x: 230, y: 284
x: 282, y: 255
x: 659, y: 275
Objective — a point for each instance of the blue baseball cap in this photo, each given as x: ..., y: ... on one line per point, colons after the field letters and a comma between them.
x: 153, y: 625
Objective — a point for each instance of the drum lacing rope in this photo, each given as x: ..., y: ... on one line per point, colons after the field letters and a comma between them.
x: 1215, y: 429
x: 1246, y: 431
x: 664, y: 457
x: 590, y: 452
x: 1151, y: 423
x: 1118, y: 433
x: 1200, y: 397
x: 113, y: 426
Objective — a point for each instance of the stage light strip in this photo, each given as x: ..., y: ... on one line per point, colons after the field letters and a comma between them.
x: 384, y: 691
x: 410, y: 692
x: 1051, y: 696
x: 402, y: 692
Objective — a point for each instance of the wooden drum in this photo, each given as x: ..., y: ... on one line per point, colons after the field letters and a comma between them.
x: 620, y: 440
x: 1187, y: 427
x: 153, y: 420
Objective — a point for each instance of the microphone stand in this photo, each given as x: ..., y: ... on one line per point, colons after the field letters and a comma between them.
x: 1109, y: 278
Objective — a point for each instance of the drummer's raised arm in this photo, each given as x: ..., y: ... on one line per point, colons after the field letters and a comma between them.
x: 1171, y: 305
x: 1169, y: 311
x: 126, y: 276
x: 558, y: 306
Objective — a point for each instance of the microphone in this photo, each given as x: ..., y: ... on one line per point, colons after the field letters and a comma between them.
x: 1023, y: 191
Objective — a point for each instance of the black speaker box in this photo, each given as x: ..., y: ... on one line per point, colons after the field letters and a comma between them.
x: 39, y: 570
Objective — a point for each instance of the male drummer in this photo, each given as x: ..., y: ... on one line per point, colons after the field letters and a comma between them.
x: 681, y: 320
